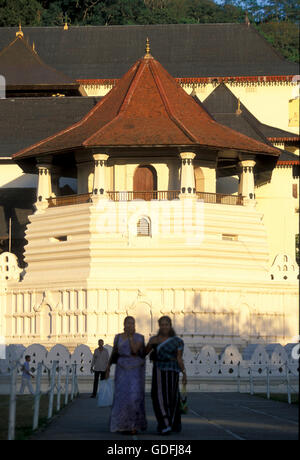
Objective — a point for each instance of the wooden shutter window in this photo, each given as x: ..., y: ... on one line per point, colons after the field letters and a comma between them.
x: 295, y: 190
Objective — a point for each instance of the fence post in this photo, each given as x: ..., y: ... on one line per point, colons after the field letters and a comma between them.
x: 73, y: 382
x: 58, y: 390
x: 67, y: 385
x: 12, y: 404
x: 76, y: 381
x: 288, y: 383
x: 37, y: 396
x: 268, y: 382
x: 51, y: 394
x: 251, y: 381
x: 239, y: 378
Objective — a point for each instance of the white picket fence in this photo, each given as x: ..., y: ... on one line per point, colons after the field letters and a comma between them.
x: 203, y: 363
x: 55, y: 385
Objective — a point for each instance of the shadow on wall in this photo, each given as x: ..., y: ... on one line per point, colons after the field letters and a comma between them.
x: 220, y: 319
x: 238, y: 320
x: 227, y: 185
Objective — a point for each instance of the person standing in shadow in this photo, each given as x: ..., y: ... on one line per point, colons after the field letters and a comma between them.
x: 99, y: 365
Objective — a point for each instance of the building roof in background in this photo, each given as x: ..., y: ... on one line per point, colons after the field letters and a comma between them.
x: 25, y: 121
x: 288, y: 159
x: 185, y: 50
x: 147, y: 107
x: 226, y: 109
x: 22, y: 67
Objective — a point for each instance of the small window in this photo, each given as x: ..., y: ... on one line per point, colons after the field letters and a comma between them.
x: 59, y: 239
x: 295, y: 190
x: 229, y: 237
x: 143, y: 227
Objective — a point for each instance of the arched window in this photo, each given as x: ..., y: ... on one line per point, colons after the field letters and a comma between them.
x: 143, y: 227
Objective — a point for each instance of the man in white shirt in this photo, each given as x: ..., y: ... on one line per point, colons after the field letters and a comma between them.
x: 26, y: 376
x: 99, y: 365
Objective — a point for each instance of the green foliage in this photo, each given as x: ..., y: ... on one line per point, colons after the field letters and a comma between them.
x: 14, y: 11
x: 284, y: 36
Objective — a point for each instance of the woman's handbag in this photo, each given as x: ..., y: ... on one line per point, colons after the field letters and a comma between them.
x: 183, y: 405
x: 105, y: 395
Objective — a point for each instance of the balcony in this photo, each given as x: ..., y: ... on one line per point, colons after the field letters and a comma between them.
x: 214, y: 198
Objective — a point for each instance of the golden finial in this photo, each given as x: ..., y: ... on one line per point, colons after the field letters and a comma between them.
x: 238, y: 110
x: 19, y: 33
x: 66, y: 23
x: 147, y: 49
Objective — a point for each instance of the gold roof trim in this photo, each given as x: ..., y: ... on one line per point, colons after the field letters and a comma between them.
x: 20, y: 33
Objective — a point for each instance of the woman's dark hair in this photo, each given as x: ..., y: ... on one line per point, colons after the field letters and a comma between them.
x: 128, y: 317
x: 172, y: 333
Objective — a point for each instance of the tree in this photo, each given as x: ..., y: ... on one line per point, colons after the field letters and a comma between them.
x: 26, y: 12
x: 284, y: 36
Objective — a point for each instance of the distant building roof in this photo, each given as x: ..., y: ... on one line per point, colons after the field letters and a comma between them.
x: 23, y: 70
x: 146, y: 108
x: 25, y: 121
x: 185, y: 50
x: 226, y: 109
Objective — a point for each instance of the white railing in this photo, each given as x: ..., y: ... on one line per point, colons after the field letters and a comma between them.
x: 55, y: 385
x: 267, y: 373
x: 201, y: 361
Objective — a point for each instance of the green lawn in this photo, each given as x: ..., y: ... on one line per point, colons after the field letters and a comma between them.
x: 24, y: 414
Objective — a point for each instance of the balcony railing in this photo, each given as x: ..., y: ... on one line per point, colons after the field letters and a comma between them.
x: 67, y: 200
x: 220, y: 198
x: 215, y: 198
x: 147, y: 196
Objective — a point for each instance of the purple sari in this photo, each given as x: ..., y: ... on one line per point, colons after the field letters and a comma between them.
x: 128, y: 409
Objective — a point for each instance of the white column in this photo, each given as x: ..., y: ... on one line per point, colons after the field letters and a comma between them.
x: 99, y: 185
x: 44, y: 188
x: 187, y: 178
x: 246, y: 184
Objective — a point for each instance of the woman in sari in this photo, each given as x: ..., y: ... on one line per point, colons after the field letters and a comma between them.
x: 167, y: 350
x: 128, y: 409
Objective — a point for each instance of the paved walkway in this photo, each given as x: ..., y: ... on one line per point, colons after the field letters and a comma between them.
x: 212, y: 416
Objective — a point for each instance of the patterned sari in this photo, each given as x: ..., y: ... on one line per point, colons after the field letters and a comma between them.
x: 165, y: 384
x: 128, y: 409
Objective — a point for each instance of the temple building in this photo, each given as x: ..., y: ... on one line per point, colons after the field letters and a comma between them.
x: 148, y: 191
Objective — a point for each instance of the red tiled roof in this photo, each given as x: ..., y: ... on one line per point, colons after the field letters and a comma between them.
x: 288, y: 162
x: 147, y: 107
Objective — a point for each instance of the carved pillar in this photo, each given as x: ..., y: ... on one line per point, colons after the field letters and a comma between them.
x: 246, y: 183
x: 44, y: 189
x: 187, y: 177
x: 99, y: 185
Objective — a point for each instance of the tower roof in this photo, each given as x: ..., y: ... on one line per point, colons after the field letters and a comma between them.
x: 147, y: 107
x: 23, y: 69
